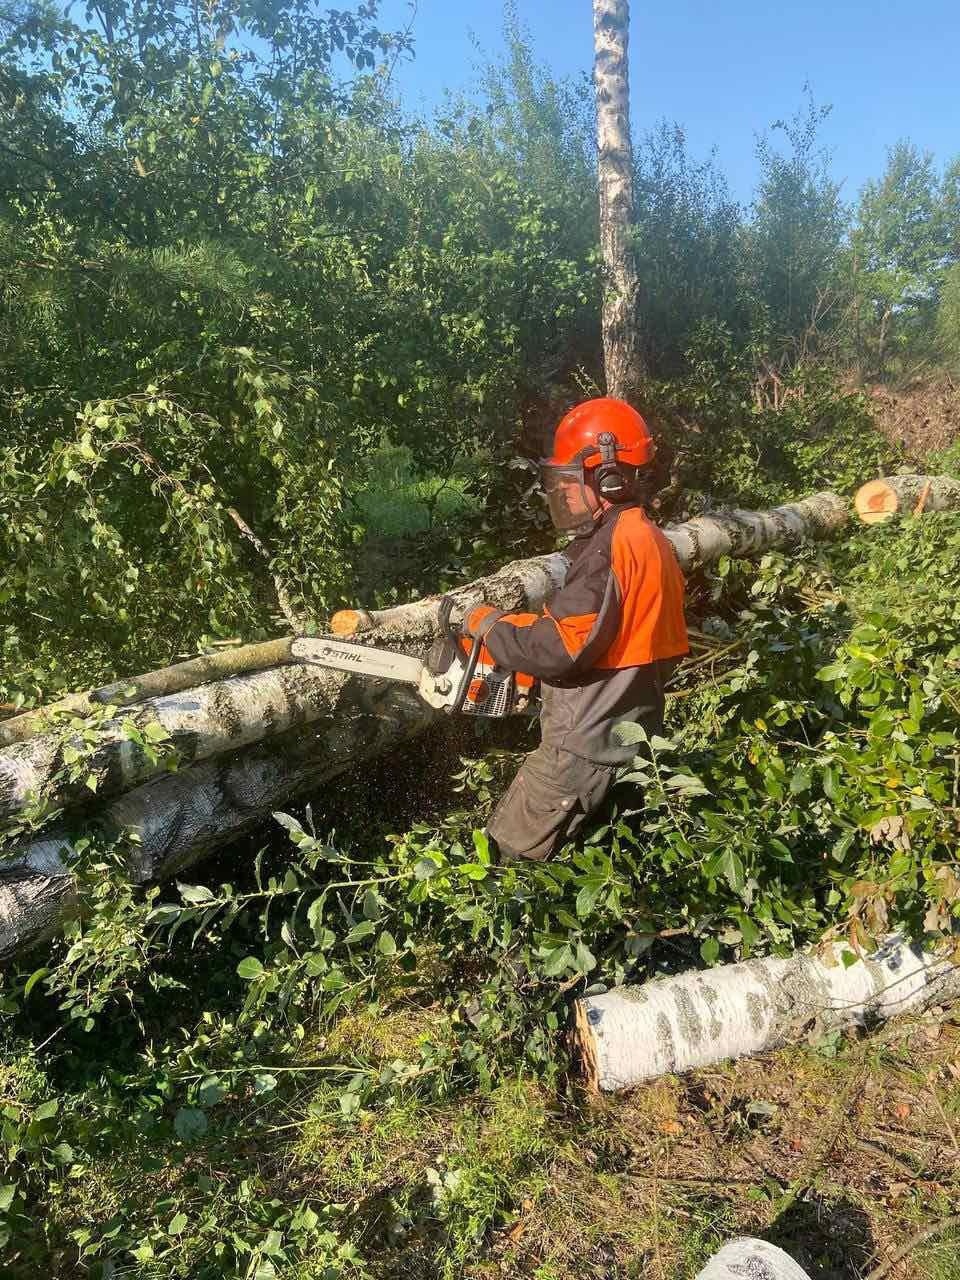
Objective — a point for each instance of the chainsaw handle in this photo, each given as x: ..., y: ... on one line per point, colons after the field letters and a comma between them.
x: 443, y: 619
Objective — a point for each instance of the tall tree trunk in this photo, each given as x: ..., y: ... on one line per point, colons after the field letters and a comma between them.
x: 621, y: 295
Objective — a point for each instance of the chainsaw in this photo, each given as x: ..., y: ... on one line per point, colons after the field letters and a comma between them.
x: 458, y: 675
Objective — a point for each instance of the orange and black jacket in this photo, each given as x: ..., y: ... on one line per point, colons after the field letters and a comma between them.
x: 607, y: 640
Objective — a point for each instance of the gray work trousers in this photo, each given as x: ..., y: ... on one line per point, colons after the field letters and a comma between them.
x: 548, y: 801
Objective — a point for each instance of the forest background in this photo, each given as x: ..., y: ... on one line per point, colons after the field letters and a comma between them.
x: 237, y: 282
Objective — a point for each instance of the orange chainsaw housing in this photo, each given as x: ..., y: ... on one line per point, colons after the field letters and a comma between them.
x: 491, y: 683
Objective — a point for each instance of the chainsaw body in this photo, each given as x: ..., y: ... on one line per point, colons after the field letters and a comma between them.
x: 458, y: 676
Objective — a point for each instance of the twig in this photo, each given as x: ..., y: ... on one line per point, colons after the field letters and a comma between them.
x: 921, y: 1237
x: 656, y: 1213
x: 283, y: 599
x: 922, y: 500
x: 943, y: 1116
x: 875, y: 1149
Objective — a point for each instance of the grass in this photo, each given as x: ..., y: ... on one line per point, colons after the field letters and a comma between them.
x: 838, y: 1160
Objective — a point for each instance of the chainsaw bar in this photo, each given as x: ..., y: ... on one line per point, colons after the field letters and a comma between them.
x: 360, y: 659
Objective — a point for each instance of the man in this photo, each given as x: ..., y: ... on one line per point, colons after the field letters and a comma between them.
x: 607, y: 640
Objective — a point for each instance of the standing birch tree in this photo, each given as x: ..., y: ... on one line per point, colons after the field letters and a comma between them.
x: 621, y: 333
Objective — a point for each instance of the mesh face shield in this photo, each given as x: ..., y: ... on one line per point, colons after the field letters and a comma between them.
x: 566, y: 492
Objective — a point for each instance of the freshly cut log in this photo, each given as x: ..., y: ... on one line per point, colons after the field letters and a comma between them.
x: 175, y: 820
x: 749, y: 1259
x: 695, y: 1019
x: 881, y: 499
x: 234, y: 712
x: 697, y: 542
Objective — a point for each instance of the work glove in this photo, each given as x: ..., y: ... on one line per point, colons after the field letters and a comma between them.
x: 474, y: 620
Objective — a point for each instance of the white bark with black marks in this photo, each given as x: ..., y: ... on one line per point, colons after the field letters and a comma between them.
x: 696, y: 1019
x: 621, y: 296
x: 701, y: 541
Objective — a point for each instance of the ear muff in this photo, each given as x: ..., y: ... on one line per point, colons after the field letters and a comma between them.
x: 609, y: 478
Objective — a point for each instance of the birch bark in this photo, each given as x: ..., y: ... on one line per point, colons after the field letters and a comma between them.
x: 696, y: 1019
x: 621, y: 297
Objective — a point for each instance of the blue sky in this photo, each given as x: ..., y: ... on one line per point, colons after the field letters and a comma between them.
x: 727, y: 70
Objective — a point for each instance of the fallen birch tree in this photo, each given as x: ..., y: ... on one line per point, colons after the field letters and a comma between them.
x: 696, y: 1019
x: 233, y: 711
x: 166, y: 822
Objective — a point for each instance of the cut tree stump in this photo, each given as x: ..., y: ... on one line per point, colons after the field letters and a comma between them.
x: 749, y: 1259
x: 881, y: 499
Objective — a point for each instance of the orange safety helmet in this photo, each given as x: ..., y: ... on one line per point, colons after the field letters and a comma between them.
x: 607, y: 437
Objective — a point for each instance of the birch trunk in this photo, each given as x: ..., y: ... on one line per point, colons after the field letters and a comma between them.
x: 173, y: 821
x: 748, y: 1259
x: 880, y: 500
x: 697, y: 542
x: 620, y: 319
x: 123, y: 693
x: 697, y: 1019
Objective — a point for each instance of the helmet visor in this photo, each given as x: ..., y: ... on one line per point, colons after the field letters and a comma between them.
x: 567, y: 496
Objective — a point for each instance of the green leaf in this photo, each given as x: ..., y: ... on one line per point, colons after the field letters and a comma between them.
x: 473, y: 870
x: 584, y: 958
x: 47, y: 1110
x: 386, y: 944
x: 177, y: 1224
x: 481, y: 843
x: 190, y: 1123
x: 558, y: 960
x: 710, y: 950
x: 732, y: 866
x: 629, y: 734
x: 249, y: 968
x: 360, y: 931
x: 34, y: 978
x: 587, y: 897
x: 371, y: 905
x: 211, y: 1091
x: 264, y: 1082
x: 195, y: 893
x: 7, y: 1192
x: 833, y: 671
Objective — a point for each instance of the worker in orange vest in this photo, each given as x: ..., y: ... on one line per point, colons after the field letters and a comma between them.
x: 607, y: 640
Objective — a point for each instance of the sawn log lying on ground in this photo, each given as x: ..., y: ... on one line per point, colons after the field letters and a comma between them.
x: 692, y: 1020
x: 881, y: 499
x: 298, y: 724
